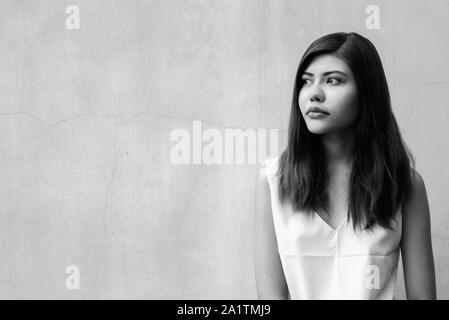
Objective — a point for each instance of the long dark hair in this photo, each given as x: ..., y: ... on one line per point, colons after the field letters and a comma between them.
x: 380, y: 180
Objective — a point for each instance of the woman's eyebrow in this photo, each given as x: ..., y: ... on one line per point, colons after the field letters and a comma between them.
x: 326, y: 73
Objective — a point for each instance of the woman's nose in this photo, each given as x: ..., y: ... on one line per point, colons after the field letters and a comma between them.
x: 316, y: 94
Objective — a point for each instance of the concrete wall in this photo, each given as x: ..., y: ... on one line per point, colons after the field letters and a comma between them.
x: 86, y: 117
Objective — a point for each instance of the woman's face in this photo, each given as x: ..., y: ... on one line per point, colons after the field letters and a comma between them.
x: 329, y: 84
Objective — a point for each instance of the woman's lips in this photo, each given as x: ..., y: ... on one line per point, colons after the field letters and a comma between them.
x: 317, y: 115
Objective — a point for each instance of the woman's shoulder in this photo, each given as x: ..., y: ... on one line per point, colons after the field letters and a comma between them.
x: 417, y: 179
x: 269, y: 166
x: 417, y: 187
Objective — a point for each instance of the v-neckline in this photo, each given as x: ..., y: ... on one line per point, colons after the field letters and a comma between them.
x: 328, y: 225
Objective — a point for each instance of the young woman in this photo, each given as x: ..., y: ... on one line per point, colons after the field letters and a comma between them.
x: 340, y: 203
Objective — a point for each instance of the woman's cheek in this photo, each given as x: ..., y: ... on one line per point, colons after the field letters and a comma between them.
x: 302, y: 104
x: 349, y: 108
x: 346, y: 100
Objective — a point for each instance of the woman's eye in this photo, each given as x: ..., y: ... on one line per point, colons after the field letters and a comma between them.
x: 304, y: 81
x: 329, y: 80
x: 335, y: 80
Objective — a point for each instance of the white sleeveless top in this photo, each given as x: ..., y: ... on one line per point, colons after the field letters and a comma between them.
x: 320, y: 262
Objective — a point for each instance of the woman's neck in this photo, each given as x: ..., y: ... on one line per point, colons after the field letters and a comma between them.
x: 338, y: 148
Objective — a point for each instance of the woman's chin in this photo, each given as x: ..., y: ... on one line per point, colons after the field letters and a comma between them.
x: 317, y: 130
